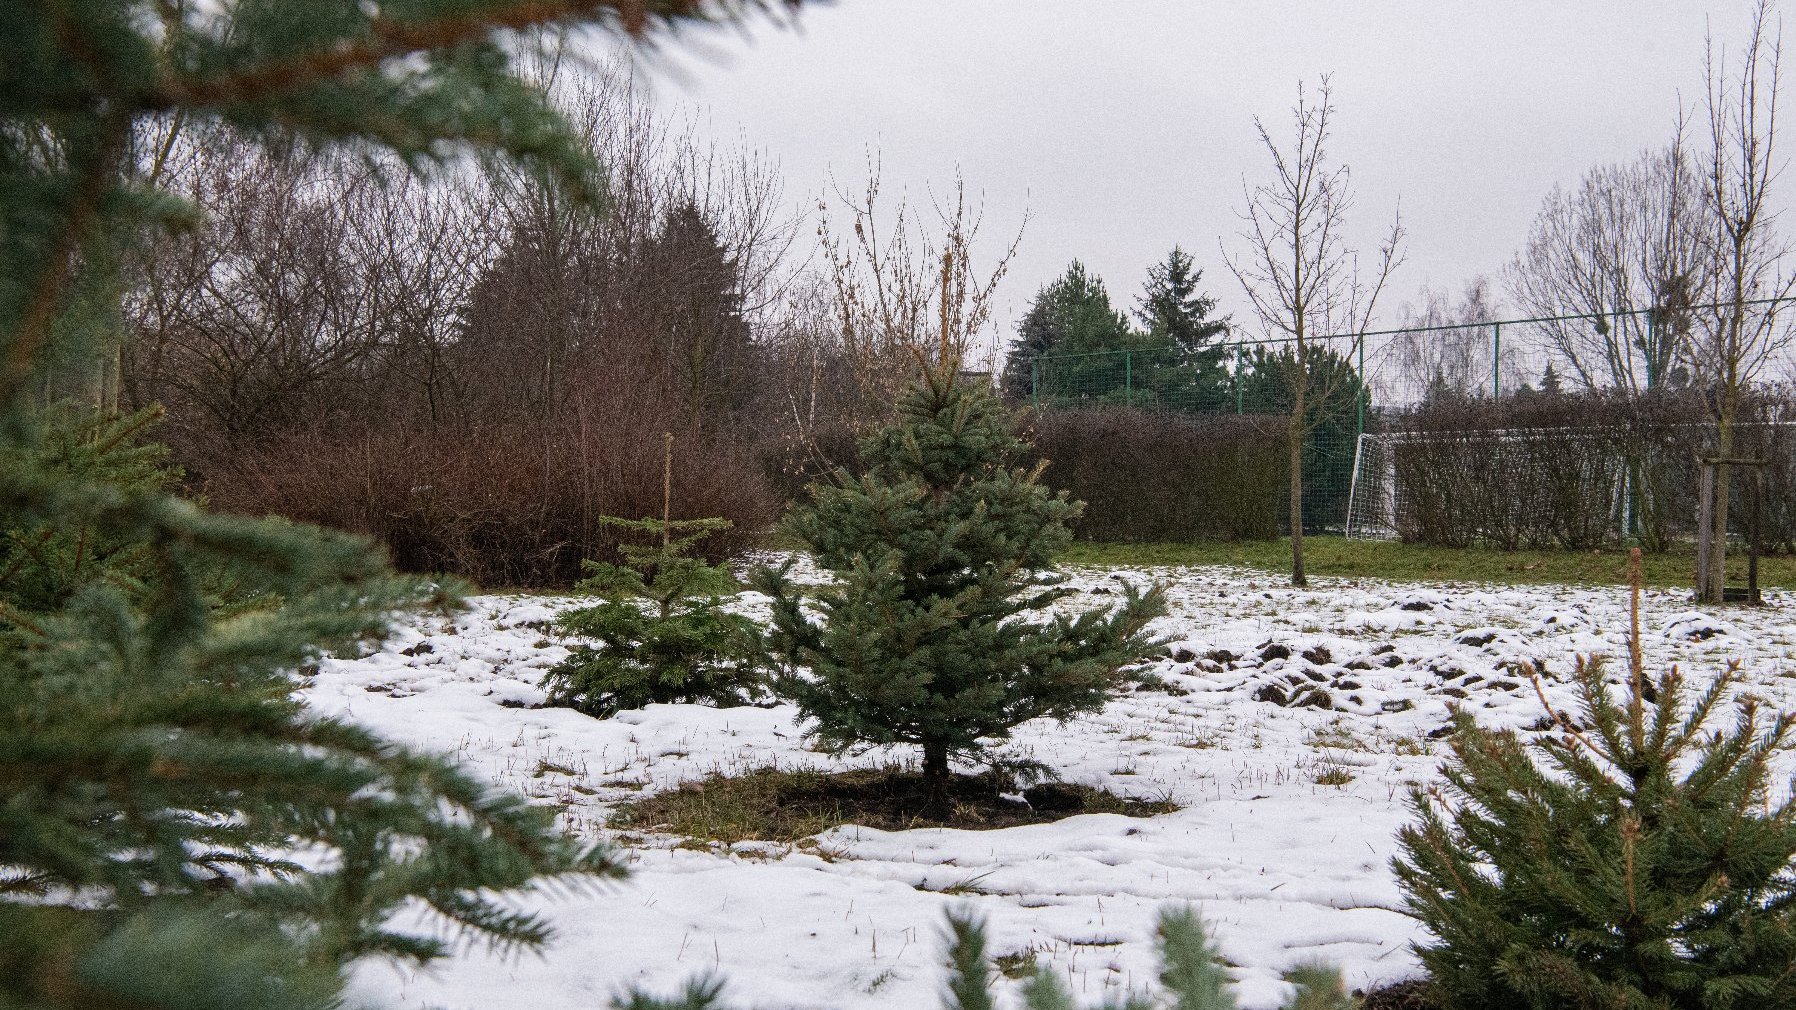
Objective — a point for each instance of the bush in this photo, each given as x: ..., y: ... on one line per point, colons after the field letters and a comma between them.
x: 1579, y: 471
x: 683, y: 648
x: 514, y: 505
x: 1626, y: 860
x: 1773, y: 439
x: 1540, y: 472
x: 1163, y: 477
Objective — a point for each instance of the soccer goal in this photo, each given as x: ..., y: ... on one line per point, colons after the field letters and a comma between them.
x: 1553, y: 487
x: 1513, y: 487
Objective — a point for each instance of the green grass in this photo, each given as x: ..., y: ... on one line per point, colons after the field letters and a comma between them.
x: 1396, y: 562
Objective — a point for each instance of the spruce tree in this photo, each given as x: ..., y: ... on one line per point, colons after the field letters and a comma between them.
x: 1630, y: 858
x: 1071, y: 316
x: 683, y: 647
x: 660, y: 633
x: 1186, y: 369
x: 935, y: 632
x: 1173, y: 310
x: 158, y: 780
x: 1550, y: 383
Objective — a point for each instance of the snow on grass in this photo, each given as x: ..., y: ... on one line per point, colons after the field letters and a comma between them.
x: 1290, y: 727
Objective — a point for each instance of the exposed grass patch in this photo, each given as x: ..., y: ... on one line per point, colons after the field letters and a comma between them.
x: 780, y: 805
x: 1336, y: 736
x: 1018, y: 964
x: 967, y: 885
x: 1369, y: 559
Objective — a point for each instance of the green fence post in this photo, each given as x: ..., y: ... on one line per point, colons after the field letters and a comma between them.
x: 1129, y: 378
x: 1496, y: 362
x: 1364, y: 390
x: 1652, y: 346
x: 1238, y: 387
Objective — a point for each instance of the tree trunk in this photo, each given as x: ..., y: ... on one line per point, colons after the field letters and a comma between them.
x: 1724, y: 448
x: 1705, y: 526
x: 1298, y: 389
x: 935, y: 779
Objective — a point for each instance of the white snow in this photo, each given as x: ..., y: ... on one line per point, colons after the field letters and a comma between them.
x: 1287, y: 869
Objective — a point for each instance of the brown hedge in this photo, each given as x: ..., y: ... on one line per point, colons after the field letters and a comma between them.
x: 1160, y: 476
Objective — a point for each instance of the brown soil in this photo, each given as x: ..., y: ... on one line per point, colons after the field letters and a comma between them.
x: 776, y: 805
x: 1409, y: 994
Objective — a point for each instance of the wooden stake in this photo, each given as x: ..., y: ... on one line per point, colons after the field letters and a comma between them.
x: 666, y: 488
x: 1705, y: 531
x: 947, y: 285
x: 1636, y: 663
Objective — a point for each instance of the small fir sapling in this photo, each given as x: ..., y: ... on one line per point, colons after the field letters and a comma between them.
x: 933, y: 633
x: 45, y: 563
x: 1192, y: 977
x: 1630, y: 858
x: 660, y: 633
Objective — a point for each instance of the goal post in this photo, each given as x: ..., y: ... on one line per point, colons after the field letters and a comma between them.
x: 1546, y: 487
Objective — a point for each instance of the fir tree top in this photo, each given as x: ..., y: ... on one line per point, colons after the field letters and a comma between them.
x: 946, y: 461
x: 1173, y: 309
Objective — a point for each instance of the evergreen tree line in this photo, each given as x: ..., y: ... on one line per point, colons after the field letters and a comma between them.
x: 1075, y: 349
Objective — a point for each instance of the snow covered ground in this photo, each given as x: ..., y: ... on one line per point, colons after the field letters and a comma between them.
x: 1290, y: 729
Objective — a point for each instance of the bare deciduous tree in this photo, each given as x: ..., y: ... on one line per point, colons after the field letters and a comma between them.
x: 905, y: 292
x: 245, y: 317
x: 1626, y: 249
x: 1301, y: 276
x: 1445, y: 349
x: 1741, y: 329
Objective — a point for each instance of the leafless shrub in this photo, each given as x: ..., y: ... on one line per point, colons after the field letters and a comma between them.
x: 1576, y: 471
x: 515, y: 504
x: 904, y: 291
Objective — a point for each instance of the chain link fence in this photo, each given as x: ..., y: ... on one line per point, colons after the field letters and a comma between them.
x: 1569, y: 380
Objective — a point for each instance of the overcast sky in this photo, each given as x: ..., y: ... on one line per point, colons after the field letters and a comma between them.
x: 1126, y: 126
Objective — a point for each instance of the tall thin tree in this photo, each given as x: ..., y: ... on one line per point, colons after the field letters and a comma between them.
x: 1302, y: 278
x: 1742, y: 329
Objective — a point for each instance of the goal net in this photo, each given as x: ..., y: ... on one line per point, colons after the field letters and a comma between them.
x: 1558, y: 487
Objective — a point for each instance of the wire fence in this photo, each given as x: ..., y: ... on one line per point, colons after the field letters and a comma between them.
x: 1371, y: 383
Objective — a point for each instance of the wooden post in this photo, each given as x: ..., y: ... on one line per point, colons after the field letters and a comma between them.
x: 1707, y: 489
x: 1705, y: 528
x: 666, y: 488
x: 1752, y: 537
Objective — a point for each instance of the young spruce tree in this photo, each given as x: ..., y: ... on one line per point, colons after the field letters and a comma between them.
x: 934, y: 633
x: 660, y: 633
x: 1630, y: 860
